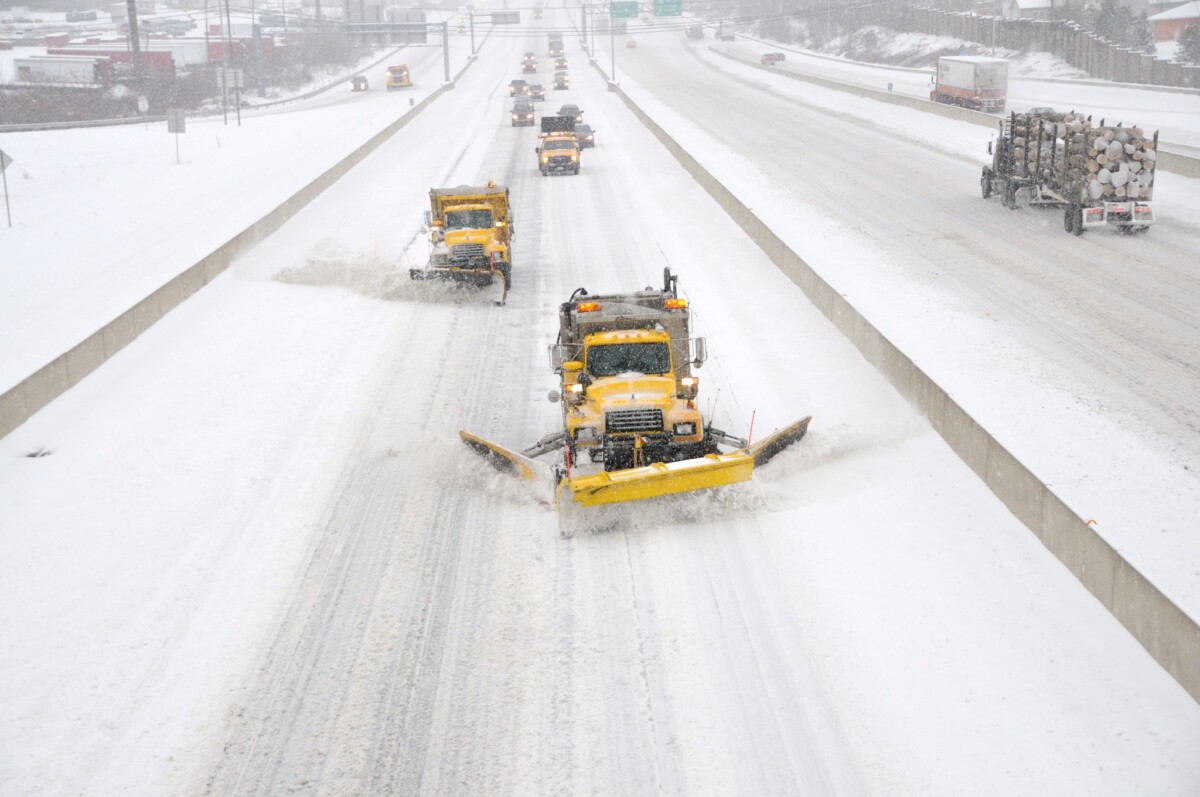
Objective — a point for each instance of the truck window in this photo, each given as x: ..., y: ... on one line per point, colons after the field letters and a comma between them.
x: 619, y: 358
x: 560, y: 145
x: 468, y: 219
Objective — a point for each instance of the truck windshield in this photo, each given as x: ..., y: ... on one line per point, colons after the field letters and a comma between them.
x: 619, y: 358
x: 560, y: 145
x: 468, y: 219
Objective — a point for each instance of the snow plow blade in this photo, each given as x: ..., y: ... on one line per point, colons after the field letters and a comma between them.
x: 659, y: 478
x: 499, y: 457
x: 765, y: 450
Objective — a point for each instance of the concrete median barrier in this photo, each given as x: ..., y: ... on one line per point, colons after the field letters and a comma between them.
x: 1161, y: 627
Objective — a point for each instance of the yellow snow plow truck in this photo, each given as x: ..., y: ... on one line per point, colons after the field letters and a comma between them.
x: 470, y: 235
x: 631, y: 426
x: 397, y: 77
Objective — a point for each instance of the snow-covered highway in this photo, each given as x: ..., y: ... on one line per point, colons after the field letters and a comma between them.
x: 257, y: 560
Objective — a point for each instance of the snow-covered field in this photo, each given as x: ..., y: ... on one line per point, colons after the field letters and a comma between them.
x: 256, y: 560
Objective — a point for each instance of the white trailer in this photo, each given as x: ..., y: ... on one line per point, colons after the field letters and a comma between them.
x: 74, y: 70
x: 972, y: 81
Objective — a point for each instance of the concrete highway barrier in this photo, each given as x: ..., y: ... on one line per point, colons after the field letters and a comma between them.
x: 1161, y: 627
x: 20, y: 403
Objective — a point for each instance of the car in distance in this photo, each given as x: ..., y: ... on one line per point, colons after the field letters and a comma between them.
x: 572, y: 111
x: 522, y: 113
x: 586, y: 136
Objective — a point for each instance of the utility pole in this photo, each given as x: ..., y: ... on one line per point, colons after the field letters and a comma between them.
x: 446, y: 48
x: 256, y: 31
x: 134, y: 42
x: 612, y: 44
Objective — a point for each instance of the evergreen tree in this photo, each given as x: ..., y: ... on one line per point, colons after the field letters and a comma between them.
x: 1108, y: 21
x: 1189, y: 45
x: 1143, y: 35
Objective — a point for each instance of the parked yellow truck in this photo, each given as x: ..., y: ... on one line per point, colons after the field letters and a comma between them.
x: 470, y: 235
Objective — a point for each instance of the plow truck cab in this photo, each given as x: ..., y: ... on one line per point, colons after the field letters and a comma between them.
x: 470, y: 235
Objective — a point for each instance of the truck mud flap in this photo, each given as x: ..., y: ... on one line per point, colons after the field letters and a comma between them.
x: 659, y: 478
x: 501, y: 458
x: 766, y: 449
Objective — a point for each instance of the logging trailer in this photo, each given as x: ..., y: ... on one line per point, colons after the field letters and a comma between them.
x: 1097, y: 175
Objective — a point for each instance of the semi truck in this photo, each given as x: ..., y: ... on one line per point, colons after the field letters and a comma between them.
x: 470, y: 234
x: 971, y: 81
x: 632, y: 428
x: 1098, y: 175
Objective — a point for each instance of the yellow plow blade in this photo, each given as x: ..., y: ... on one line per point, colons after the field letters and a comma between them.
x: 765, y: 450
x: 659, y: 478
x: 499, y: 457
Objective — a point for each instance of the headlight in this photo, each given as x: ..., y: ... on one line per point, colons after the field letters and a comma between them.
x: 545, y: 159
x: 685, y: 429
x: 574, y: 158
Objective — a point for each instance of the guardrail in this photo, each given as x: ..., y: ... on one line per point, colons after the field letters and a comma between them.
x: 1170, y: 636
x: 20, y: 403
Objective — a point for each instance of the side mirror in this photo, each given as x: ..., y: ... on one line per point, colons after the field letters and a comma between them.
x: 428, y: 218
x: 989, y: 148
x: 554, y: 396
x: 700, y: 352
x: 537, y: 150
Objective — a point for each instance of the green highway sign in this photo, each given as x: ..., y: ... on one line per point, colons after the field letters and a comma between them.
x: 668, y: 8
x: 627, y: 9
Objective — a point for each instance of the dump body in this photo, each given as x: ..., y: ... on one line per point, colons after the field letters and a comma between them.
x: 1098, y: 174
x: 972, y: 81
x: 470, y: 231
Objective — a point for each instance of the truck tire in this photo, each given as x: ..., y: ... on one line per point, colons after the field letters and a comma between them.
x: 985, y: 182
x: 1008, y: 195
x: 1073, y: 219
x: 505, y: 269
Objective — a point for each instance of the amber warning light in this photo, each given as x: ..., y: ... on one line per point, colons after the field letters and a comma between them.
x: 675, y: 304
x: 587, y: 307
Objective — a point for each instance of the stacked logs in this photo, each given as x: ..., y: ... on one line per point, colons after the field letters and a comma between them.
x: 1064, y: 150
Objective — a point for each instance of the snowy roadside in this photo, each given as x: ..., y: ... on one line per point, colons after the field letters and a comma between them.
x: 96, y: 211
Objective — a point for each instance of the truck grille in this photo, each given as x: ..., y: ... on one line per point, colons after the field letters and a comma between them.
x: 633, y: 421
x: 467, y: 251
x: 560, y: 160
